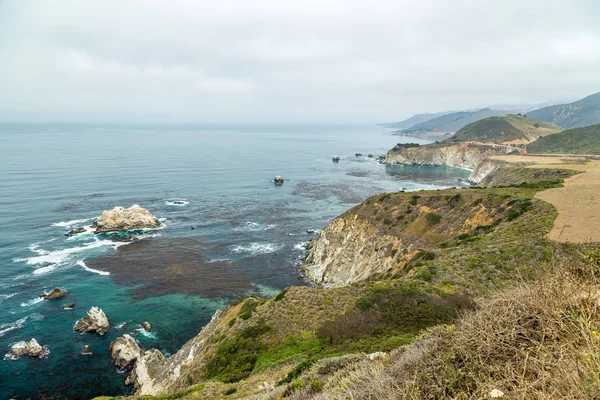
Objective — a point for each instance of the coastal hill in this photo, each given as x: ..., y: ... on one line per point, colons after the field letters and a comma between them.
x: 414, y: 120
x: 584, y: 140
x: 451, y: 122
x: 580, y: 113
x: 508, y: 129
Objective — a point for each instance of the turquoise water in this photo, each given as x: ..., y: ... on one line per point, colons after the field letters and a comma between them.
x: 246, y: 239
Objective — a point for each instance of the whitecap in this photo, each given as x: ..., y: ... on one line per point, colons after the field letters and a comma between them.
x: 58, y: 256
x: 32, y: 302
x: 182, y: 202
x: 270, y: 226
x: 145, y: 333
x: 68, y: 224
x: 95, y: 271
x: 301, y: 246
x: 214, y: 260
x: 257, y: 248
x: 18, y: 324
x: 6, y: 296
x: 44, y: 270
x: 121, y: 325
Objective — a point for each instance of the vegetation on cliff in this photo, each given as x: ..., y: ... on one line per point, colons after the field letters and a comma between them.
x: 451, y: 122
x: 508, y: 129
x: 580, y: 113
x: 574, y: 141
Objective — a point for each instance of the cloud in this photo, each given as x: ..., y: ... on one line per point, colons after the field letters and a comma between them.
x: 289, y: 61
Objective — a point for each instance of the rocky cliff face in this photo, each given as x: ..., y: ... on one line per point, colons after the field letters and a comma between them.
x: 469, y: 155
x: 384, y: 233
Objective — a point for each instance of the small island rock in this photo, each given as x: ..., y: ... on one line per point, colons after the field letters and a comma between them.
x: 94, y: 321
x: 69, y: 306
x: 56, y: 293
x: 75, y: 231
x: 121, y: 219
x: 147, y: 327
x: 31, y: 349
x: 86, y: 351
x: 124, y: 351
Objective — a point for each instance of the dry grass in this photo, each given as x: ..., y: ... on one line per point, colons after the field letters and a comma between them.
x: 539, y: 340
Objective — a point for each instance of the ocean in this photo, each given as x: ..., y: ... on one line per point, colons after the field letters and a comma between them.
x: 247, y: 237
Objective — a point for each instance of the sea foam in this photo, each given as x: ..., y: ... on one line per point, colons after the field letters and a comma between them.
x: 68, y: 224
x: 257, y: 248
x: 95, y: 271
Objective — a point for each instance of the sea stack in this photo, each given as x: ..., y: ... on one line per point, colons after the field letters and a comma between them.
x: 56, y: 293
x: 121, y: 219
x: 32, y: 349
x: 335, y: 158
x: 94, y: 321
x: 278, y: 180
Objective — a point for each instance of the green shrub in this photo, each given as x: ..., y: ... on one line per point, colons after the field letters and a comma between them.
x: 315, y: 386
x: 229, y: 391
x: 365, y: 303
x: 414, y: 200
x: 235, y: 358
x: 297, y: 384
x: 298, y: 369
x: 281, y: 295
x: 433, y: 218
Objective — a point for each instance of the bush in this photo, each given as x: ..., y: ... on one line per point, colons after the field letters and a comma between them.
x: 229, y: 391
x: 414, y: 200
x: 281, y: 295
x: 433, y: 218
x: 236, y: 357
x: 298, y: 369
x: 365, y: 303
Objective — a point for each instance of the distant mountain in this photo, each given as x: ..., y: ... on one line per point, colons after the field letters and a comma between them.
x: 508, y: 129
x: 584, y: 140
x: 452, y: 122
x: 414, y: 120
x: 583, y: 112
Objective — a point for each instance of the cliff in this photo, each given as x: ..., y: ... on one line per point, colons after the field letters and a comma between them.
x: 389, y: 234
x: 468, y: 155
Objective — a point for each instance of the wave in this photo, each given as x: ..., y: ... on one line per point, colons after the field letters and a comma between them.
x: 214, y: 260
x: 18, y: 324
x: 95, y: 271
x: 301, y: 246
x: 32, y: 302
x: 257, y: 248
x: 252, y: 226
x: 121, y: 325
x: 68, y: 224
x: 59, y: 256
x: 44, y: 270
x: 177, y: 202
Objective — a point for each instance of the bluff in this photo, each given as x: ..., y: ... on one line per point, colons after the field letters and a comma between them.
x: 574, y: 141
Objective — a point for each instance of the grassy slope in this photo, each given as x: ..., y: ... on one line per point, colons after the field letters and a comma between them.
x: 581, y: 113
x: 578, y: 141
x: 452, y: 122
x: 504, y: 129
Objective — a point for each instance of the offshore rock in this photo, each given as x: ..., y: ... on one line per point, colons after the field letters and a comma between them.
x: 75, y: 231
x: 69, y: 306
x: 125, y: 350
x: 56, y: 293
x: 121, y: 219
x: 147, y: 327
x: 94, y: 321
x: 31, y: 349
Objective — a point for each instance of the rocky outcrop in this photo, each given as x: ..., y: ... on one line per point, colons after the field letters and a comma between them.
x: 31, y: 349
x: 56, y: 293
x: 152, y: 373
x: 94, y: 321
x: 127, y: 354
x: 121, y: 219
x: 468, y: 155
x: 147, y: 327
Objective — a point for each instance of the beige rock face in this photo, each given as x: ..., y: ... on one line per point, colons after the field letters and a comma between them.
x: 94, y: 321
x: 461, y: 155
x: 31, y: 349
x: 121, y: 219
x: 348, y: 250
x: 152, y: 373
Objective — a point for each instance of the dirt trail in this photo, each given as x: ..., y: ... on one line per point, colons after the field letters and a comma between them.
x: 578, y: 202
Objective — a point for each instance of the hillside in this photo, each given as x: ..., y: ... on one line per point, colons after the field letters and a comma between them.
x: 414, y: 120
x: 508, y: 129
x: 451, y: 122
x: 577, y: 141
x: 580, y: 113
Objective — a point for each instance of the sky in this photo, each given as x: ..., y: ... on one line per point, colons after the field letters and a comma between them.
x: 280, y: 61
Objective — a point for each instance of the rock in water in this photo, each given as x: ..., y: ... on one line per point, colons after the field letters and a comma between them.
x: 31, y: 349
x: 94, y: 321
x: 121, y: 219
x: 86, y: 351
x: 75, y: 231
x: 56, y: 293
x: 147, y: 327
x: 125, y: 350
x: 69, y: 306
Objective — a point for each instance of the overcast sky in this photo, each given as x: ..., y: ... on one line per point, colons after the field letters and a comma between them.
x: 341, y: 61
